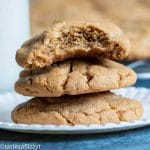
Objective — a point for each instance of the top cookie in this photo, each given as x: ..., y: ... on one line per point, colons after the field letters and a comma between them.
x: 66, y: 40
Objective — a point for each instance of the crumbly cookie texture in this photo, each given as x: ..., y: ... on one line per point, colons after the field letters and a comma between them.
x: 75, y: 77
x: 66, y: 40
x: 83, y: 109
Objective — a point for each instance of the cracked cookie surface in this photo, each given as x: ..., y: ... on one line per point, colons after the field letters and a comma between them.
x: 75, y: 77
x: 82, y: 109
x: 66, y: 40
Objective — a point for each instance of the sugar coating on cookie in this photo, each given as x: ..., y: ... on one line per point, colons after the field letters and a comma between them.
x: 83, y: 109
x: 75, y: 77
x: 66, y: 40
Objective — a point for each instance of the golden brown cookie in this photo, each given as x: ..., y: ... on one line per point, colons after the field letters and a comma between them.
x: 83, y: 109
x: 66, y: 40
x: 75, y: 77
x: 133, y: 17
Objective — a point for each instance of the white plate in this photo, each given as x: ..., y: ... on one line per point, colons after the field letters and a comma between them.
x: 9, y: 100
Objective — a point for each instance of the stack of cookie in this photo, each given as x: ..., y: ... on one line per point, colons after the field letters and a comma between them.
x: 69, y: 71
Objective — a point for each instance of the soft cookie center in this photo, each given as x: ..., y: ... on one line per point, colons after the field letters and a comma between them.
x: 85, y: 37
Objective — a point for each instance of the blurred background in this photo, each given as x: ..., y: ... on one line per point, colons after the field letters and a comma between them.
x: 132, y: 16
x: 23, y: 18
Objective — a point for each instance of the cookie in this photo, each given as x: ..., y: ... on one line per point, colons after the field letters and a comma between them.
x: 135, y: 25
x: 66, y: 40
x: 84, y: 109
x: 75, y: 77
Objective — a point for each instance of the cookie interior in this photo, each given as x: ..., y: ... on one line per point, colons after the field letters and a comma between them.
x: 88, y: 37
x: 70, y: 41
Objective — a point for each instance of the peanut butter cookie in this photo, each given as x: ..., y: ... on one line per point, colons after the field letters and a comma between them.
x: 75, y: 77
x: 66, y: 40
x: 83, y: 109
